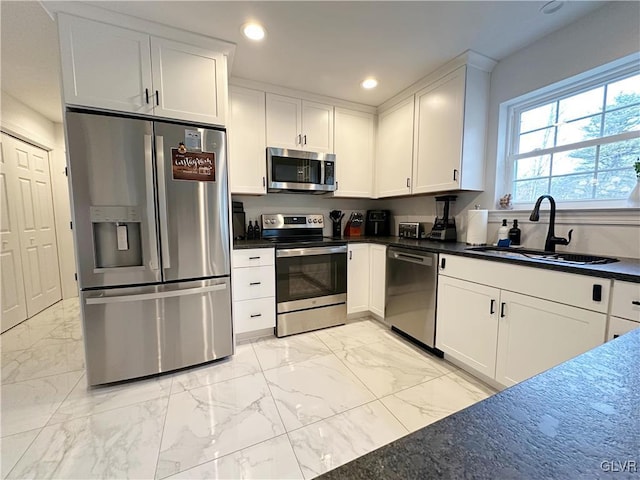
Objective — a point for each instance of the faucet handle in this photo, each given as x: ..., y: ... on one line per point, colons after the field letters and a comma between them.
x: 569, y: 235
x: 564, y: 241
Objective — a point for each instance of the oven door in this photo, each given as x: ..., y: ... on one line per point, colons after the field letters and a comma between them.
x: 310, y: 277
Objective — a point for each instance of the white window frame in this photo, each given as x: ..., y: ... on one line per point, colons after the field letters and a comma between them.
x: 566, y: 88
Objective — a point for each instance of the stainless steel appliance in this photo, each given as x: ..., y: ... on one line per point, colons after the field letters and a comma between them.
x: 150, y: 204
x: 300, y: 171
x: 311, y: 274
x: 378, y: 223
x: 413, y: 229
x: 411, y: 282
x: 444, y: 227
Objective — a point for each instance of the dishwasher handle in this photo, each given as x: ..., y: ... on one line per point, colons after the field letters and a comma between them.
x: 411, y: 257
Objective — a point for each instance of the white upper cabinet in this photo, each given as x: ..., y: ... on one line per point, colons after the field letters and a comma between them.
x: 190, y: 83
x: 354, y: 149
x: 105, y: 66
x: 113, y: 68
x: 247, y: 157
x: 395, y: 150
x: 299, y: 124
x: 449, y: 132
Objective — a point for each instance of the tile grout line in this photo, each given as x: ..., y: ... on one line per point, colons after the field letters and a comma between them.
x: 164, y: 424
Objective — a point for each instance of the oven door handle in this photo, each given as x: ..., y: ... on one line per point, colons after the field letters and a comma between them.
x: 306, y: 251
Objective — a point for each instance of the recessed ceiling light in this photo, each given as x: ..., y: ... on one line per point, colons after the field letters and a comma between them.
x: 552, y: 7
x: 369, y: 83
x: 253, y: 31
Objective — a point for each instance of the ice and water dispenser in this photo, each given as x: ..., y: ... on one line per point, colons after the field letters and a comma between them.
x: 117, y: 236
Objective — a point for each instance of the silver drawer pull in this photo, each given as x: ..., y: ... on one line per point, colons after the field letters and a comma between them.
x: 254, y: 258
x: 255, y: 283
x: 256, y: 315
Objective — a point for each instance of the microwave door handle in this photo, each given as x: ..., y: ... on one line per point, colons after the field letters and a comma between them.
x: 162, y: 203
x: 150, y: 206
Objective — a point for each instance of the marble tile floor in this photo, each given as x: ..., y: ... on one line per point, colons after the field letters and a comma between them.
x: 279, y: 408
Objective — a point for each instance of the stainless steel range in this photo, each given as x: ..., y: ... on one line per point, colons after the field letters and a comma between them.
x: 311, y: 274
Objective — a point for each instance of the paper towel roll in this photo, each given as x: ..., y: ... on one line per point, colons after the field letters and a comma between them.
x: 477, y: 227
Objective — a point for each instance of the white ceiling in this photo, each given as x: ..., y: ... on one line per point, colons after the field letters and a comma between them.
x: 326, y: 48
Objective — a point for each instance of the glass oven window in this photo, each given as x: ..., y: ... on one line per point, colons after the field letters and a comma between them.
x: 311, y: 276
x: 295, y: 170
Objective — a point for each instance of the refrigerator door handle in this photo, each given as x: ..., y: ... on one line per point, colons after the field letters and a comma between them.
x: 154, y: 296
x: 151, y: 214
x: 162, y: 203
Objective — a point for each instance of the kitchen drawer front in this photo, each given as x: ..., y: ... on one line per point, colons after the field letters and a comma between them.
x: 249, y: 283
x: 620, y: 326
x: 251, y: 315
x: 583, y: 291
x: 624, y: 296
x: 254, y: 257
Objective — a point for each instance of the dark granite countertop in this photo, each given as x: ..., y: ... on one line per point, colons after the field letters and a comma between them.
x: 580, y: 419
x: 627, y: 269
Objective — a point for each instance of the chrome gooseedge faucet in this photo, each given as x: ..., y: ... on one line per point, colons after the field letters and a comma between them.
x: 551, y: 240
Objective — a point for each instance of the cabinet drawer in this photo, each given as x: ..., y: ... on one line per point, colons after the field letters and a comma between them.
x: 249, y: 283
x: 583, y: 291
x: 254, y: 257
x: 624, y: 296
x: 251, y: 315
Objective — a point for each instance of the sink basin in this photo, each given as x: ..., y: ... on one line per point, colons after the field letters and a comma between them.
x: 558, y: 257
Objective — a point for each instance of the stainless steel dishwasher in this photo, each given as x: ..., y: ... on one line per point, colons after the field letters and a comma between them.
x: 411, y: 294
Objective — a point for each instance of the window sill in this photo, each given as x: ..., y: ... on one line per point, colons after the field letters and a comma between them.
x: 574, y: 216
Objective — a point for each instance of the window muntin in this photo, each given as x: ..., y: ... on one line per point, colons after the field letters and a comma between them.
x: 578, y: 145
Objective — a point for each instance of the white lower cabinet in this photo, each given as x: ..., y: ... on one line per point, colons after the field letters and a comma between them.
x: 535, y: 335
x: 467, y: 326
x: 377, y: 278
x: 253, y: 281
x: 625, y: 309
x: 358, y: 278
x: 510, y: 336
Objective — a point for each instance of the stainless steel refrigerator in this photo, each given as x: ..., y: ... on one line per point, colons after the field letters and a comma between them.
x: 150, y: 216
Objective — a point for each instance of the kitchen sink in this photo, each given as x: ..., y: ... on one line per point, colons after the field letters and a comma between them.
x: 558, y: 257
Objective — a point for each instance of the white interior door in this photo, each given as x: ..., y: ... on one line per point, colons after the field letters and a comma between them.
x: 39, y: 250
x: 14, y: 307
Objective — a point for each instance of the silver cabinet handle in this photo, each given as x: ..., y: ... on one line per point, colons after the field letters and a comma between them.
x: 255, y: 283
x: 264, y: 182
x: 162, y: 203
x: 351, y: 255
x: 305, y: 139
x: 492, y: 309
x: 157, y: 98
x: 408, y: 183
x: 154, y: 296
x: 150, y: 207
x: 299, y: 142
x: 255, y: 258
x: 146, y: 94
x: 255, y: 315
x: 455, y: 175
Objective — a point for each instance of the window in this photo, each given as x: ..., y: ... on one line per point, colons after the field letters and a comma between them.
x: 578, y: 144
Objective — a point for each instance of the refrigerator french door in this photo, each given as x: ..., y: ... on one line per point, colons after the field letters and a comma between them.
x: 150, y: 205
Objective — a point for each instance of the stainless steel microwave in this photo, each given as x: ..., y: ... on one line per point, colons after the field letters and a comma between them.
x: 299, y: 171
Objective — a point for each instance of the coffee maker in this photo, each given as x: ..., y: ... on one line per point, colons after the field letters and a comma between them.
x: 444, y: 226
x: 336, y: 220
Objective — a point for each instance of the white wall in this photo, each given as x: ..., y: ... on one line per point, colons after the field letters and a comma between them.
x: 603, y: 36
x: 21, y: 121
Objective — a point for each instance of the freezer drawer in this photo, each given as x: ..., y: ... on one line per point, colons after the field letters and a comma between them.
x: 139, y: 331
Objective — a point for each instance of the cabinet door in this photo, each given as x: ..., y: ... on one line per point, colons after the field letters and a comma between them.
x: 438, y: 134
x: 620, y: 326
x: 358, y: 278
x: 104, y: 66
x: 284, y: 122
x: 395, y: 150
x: 377, y: 278
x: 467, y: 323
x: 247, y: 158
x: 317, y: 127
x: 354, y: 148
x: 190, y: 83
x: 535, y: 335
x: 625, y: 302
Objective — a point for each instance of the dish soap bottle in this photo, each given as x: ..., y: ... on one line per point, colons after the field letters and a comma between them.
x: 503, y: 231
x: 514, y: 234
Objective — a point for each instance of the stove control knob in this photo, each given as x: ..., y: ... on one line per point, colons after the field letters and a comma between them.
x: 320, y: 220
x: 308, y: 220
x: 315, y: 220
